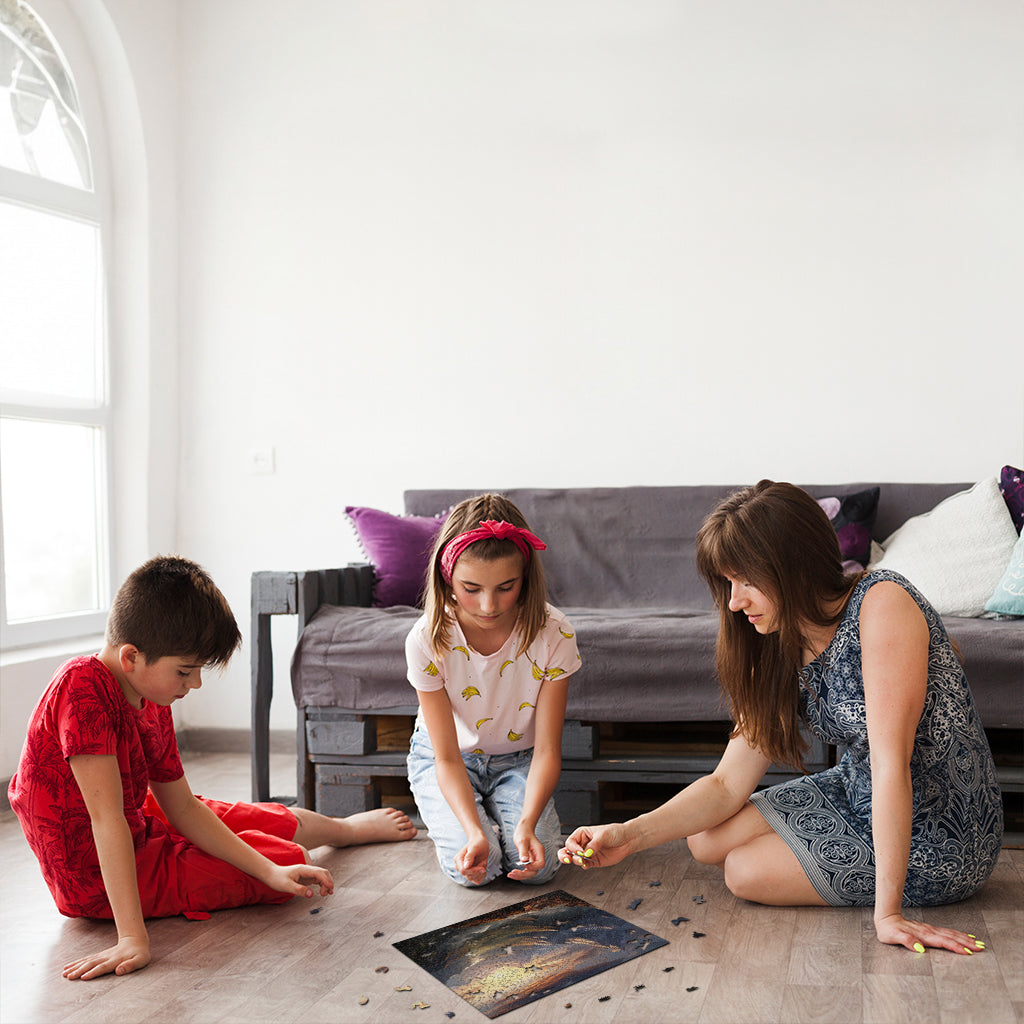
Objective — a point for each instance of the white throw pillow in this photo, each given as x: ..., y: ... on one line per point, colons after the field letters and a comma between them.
x: 955, y: 554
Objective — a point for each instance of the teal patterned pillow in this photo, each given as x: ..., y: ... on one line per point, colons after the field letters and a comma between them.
x: 1008, y: 598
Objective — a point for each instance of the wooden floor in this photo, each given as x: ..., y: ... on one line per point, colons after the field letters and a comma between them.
x: 282, y: 964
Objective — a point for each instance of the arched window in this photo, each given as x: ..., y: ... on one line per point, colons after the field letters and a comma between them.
x: 54, y: 393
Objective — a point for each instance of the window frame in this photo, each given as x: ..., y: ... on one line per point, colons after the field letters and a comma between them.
x: 92, y: 206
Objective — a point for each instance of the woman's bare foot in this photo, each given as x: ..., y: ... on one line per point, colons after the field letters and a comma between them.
x: 384, y: 825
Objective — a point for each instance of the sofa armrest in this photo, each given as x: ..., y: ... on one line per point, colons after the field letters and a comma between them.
x: 290, y: 593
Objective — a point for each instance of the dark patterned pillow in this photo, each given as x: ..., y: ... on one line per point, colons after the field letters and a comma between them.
x: 853, y: 516
x: 1011, y: 486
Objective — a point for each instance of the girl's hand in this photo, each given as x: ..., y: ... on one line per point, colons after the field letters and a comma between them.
x: 471, y: 860
x: 299, y: 879
x: 596, y: 846
x: 896, y: 930
x: 130, y: 954
x: 531, y: 854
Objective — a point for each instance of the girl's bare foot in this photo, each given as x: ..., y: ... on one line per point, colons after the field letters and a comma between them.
x: 384, y: 825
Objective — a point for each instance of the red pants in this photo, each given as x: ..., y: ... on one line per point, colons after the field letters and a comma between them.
x: 176, y: 877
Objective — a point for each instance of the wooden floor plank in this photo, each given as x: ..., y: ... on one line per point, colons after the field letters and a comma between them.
x: 282, y: 964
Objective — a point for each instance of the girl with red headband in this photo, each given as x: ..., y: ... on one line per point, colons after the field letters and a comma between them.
x: 490, y: 661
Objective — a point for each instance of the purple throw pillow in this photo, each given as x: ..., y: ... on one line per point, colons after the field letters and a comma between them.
x: 853, y: 516
x: 399, y: 549
x: 1011, y: 485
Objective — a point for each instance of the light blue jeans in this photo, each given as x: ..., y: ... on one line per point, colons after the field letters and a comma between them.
x: 499, y: 783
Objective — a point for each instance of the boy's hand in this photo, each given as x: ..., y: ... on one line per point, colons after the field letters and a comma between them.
x: 299, y: 879
x: 130, y: 954
x: 471, y: 860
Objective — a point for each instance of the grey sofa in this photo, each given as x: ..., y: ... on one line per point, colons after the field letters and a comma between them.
x: 621, y: 564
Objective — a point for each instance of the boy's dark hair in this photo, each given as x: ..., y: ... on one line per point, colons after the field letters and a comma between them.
x: 170, y: 607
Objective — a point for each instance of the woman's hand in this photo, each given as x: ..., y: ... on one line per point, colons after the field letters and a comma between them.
x: 471, y: 860
x: 596, y: 846
x: 896, y: 930
x: 130, y: 954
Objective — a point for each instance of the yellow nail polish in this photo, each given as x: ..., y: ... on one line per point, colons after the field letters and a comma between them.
x: 588, y: 853
x: 969, y: 952
x: 980, y: 945
x: 970, y: 936
x: 918, y: 947
x: 566, y: 860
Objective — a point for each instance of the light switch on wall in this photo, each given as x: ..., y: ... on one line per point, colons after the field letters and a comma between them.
x: 261, y: 461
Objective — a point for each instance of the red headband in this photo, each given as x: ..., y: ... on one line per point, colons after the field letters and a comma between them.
x: 487, y: 530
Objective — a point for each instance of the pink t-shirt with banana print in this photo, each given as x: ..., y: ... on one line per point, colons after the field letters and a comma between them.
x: 493, y: 697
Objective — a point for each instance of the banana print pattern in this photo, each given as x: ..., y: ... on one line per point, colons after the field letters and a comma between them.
x: 501, y: 689
x: 543, y: 674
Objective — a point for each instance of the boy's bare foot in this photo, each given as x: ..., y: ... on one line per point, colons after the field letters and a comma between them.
x: 383, y: 825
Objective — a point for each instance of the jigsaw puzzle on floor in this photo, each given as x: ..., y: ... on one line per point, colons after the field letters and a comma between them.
x: 509, y: 957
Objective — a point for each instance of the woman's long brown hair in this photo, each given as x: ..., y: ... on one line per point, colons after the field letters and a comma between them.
x: 776, y: 537
x: 438, y: 594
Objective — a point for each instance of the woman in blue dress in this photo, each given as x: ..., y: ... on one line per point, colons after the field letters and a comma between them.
x: 910, y: 816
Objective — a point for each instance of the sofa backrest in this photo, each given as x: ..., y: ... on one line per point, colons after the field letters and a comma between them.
x: 634, y: 547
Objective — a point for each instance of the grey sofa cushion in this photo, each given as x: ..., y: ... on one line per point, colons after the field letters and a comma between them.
x: 634, y: 547
x: 639, y: 665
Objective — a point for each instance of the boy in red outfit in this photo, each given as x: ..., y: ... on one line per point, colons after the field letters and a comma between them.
x: 102, y: 796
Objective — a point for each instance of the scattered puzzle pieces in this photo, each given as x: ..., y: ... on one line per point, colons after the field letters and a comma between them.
x: 679, y: 920
x: 699, y: 935
x: 381, y: 970
x: 636, y: 903
x: 603, y: 999
x: 316, y: 910
x: 363, y: 1000
x: 692, y: 988
x: 653, y: 885
x: 667, y: 969
x: 699, y: 899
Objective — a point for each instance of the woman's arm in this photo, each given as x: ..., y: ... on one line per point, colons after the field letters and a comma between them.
x: 545, y: 769
x: 894, y: 662
x: 453, y: 781
x: 190, y: 817
x: 703, y: 804
x: 99, y: 780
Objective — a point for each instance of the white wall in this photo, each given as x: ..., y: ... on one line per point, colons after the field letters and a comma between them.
x: 561, y: 243
x: 574, y: 242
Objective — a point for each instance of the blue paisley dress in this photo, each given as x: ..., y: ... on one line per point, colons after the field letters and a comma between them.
x: 825, y: 819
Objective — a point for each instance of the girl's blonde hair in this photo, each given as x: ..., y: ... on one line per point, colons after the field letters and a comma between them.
x: 776, y: 537
x: 438, y: 594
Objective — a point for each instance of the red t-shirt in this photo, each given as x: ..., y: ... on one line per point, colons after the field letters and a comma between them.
x: 84, y: 711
